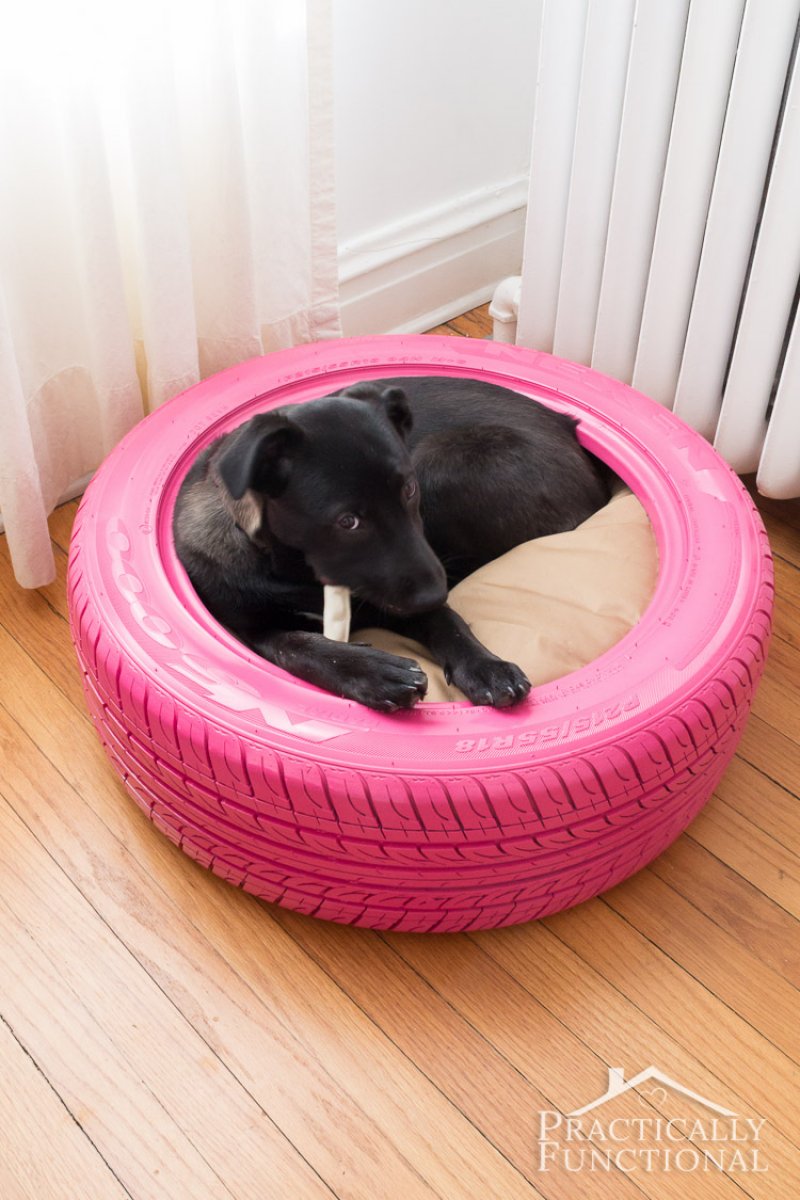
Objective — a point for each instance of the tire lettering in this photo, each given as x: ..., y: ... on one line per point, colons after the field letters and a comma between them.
x: 550, y: 733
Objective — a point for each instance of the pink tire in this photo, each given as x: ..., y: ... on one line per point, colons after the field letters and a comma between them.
x: 448, y: 817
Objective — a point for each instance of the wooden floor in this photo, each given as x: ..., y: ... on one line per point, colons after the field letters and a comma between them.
x: 165, y: 1035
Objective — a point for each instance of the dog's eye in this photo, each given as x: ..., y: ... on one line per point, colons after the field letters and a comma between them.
x: 410, y: 489
x: 348, y: 521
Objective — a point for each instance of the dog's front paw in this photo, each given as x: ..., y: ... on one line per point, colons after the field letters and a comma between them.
x: 490, y: 680
x: 382, y: 681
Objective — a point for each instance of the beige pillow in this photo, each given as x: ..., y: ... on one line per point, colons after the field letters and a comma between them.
x: 554, y: 604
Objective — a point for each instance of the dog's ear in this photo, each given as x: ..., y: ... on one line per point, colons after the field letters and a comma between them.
x: 395, y: 403
x: 392, y: 401
x: 259, y: 455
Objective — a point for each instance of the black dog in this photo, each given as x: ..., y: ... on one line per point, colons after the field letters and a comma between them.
x: 395, y: 489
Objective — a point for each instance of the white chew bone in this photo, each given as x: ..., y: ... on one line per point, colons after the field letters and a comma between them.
x: 336, y: 613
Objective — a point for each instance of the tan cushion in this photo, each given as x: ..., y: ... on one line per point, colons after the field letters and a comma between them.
x: 554, y: 604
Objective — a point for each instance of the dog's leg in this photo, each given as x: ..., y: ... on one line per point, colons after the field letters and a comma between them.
x: 481, y: 676
x: 382, y: 681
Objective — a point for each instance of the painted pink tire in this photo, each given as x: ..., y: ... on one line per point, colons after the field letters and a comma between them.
x: 448, y: 817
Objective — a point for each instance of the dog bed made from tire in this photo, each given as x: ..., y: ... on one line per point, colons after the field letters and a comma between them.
x: 447, y: 817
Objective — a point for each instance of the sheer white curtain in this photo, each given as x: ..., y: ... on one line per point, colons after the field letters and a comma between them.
x: 166, y: 210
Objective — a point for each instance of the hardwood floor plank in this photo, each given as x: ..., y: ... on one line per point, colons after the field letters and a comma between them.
x: 771, y: 868
x: 734, y: 904
x: 475, y: 324
x: 783, y: 538
x: 772, y: 753
x: 787, y: 582
x: 786, y: 618
x: 114, y: 1033
x: 60, y: 523
x: 715, y: 959
x: 444, y: 331
x: 46, y: 1154
x: 770, y: 808
x: 776, y: 698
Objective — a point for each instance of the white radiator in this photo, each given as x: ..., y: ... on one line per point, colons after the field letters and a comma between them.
x: 663, y: 228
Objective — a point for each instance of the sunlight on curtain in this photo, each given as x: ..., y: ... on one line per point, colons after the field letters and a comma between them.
x: 166, y: 210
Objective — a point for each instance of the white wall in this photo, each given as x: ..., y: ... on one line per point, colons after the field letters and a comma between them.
x: 433, y: 111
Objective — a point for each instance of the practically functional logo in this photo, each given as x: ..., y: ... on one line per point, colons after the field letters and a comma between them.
x: 609, y: 1133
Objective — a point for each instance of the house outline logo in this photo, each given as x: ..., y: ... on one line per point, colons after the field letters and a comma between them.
x: 618, y: 1085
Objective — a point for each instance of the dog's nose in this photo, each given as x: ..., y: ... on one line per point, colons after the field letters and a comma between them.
x: 424, y: 596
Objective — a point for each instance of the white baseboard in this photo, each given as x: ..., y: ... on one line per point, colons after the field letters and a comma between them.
x: 418, y: 273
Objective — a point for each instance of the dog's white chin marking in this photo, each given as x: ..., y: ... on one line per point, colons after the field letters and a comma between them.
x: 336, y: 613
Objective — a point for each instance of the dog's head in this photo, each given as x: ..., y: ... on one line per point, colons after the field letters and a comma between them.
x: 333, y: 479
